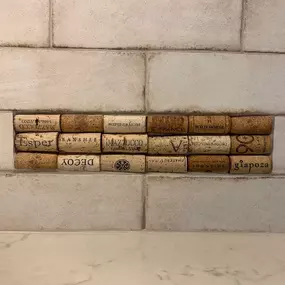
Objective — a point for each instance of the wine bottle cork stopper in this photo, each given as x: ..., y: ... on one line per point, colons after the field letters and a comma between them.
x: 123, y: 163
x: 28, y: 160
x: 175, y: 164
x: 74, y: 162
x: 252, y: 125
x: 38, y: 142
x: 37, y: 123
x: 124, y: 124
x: 251, y: 164
x: 251, y: 144
x: 78, y: 123
x: 79, y: 143
x: 209, y: 163
x: 122, y: 143
x: 209, y: 144
x: 167, y: 124
x: 209, y: 124
x: 172, y: 145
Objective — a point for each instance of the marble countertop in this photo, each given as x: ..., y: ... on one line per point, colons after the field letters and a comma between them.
x: 141, y: 258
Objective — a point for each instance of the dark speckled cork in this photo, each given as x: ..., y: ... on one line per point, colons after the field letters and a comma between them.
x: 27, y: 160
x: 252, y: 125
x: 81, y: 123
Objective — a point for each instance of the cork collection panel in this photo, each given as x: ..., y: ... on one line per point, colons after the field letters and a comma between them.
x: 140, y: 143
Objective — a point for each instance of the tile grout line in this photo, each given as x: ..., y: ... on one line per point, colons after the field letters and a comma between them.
x: 146, y: 83
x: 50, y: 24
x: 144, y: 200
x: 242, y: 25
x: 138, y: 50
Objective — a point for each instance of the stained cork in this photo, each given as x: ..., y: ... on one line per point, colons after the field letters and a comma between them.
x: 175, y: 145
x: 124, y: 124
x: 175, y: 164
x: 251, y: 164
x: 158, y: 124
x: 78, y: 123
x: 252, y: 125
x: 73, y: 162
x: 123, y: 163
x: 28, y: 160
x: 122, y: 143
x: 209, y: 124
x: 209, y: 163
x: 209, y: 144
x: 249, y: 144
x: 38, y: 142
x: 79, y: 143
x: 37, y: 123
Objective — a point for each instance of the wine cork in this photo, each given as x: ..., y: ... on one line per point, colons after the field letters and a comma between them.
x: 175, y: 164
x: 209, y: 124
x: 37, y: 123
x: 78, y: 123
x: 124, y: 124
x: 252, y: 125
x: 209, y: 144
x: 209, y: 163
x: 251, y: 164
x: 167, y: 124
x: 123, y: 163
x: 74, y: 162
x: 124, y: 143
x: 39, y: 142
x: 79, y: 143
x: 168, y: 145
x: 248, y: 144
x: 27, y: 160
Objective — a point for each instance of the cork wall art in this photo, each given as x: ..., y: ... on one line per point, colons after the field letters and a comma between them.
x: 139, y: 143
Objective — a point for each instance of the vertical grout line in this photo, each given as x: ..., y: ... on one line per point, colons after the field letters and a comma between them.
x: 50, y: 24
x: 242, y: 25
x: 144, y: 200
x: 146, y: 83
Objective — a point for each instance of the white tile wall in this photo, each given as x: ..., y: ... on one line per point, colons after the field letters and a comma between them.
x: 147, y: 24
x: 60, y: 201
x: 216, y: 82
x: 189, y: 203
x: 24, y: 23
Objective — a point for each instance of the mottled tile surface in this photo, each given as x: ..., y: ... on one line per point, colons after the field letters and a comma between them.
x: 141, y: 258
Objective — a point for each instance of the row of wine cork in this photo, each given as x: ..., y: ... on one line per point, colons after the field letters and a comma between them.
x: 153, y: 124
x: 142, y: 163
x: 142, y: 143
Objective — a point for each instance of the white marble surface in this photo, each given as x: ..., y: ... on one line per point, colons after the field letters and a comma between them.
x: 141, y: 258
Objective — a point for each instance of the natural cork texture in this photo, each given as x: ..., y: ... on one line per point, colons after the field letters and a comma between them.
x: 251, y: 164
x: 252, y: 125
x: 248, y: 144
x: 124, y: 143
x: 39, y: 142
x: 124, y: 124
x: 209, y: 124
x: 73, y: 162
x: 209, y: 163
x: 175, y: 164
x: 37, y: 123
x: 167, y: 124
x: 175, y: 145
x: 209, y: 144
x: 123, y: 163
x: 79, y: 143
x: 27, y: 160
x: 82, y: 123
